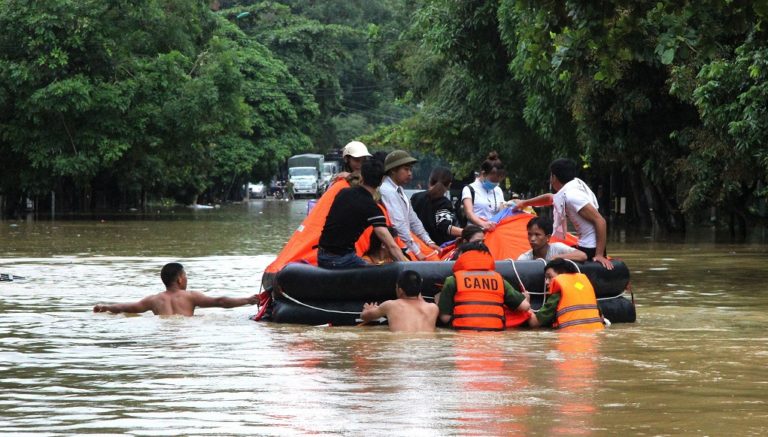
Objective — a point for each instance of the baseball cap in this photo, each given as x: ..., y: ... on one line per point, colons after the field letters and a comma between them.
x: 355, y: 149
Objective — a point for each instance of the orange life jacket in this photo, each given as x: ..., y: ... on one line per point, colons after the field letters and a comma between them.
x: 479, y: 299
x: 577, y: 308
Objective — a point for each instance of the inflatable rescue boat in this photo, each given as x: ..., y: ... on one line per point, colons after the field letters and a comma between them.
x: 297, y: 291
x: 306, y: 294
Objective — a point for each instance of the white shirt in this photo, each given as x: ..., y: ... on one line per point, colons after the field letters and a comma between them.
x: 487, y: 202
x: 571, y: 198
x: 404, y: 218
x: 553, y: 250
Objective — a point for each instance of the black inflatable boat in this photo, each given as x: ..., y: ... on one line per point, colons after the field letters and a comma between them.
x: 306, y: 294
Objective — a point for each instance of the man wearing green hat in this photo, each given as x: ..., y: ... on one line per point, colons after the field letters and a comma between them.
x: 398, y: 166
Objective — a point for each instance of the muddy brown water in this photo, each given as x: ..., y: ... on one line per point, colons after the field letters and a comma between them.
x: 693, y: 364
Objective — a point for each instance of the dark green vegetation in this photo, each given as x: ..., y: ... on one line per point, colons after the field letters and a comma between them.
x: 663, y: 102
x: 111, y: 104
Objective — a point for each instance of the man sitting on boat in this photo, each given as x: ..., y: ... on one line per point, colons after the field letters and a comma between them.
x: 353, y: 154
x: 398, y: 166
x: 571, y: 304
x: 473, y: 298
x: 352, y: 211
x: 576, y: 201
x: 539, y: 233
x: 409, y: 312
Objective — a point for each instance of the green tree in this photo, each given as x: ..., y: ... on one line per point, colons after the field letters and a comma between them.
x: 140, y: 97
x: 471, y: 103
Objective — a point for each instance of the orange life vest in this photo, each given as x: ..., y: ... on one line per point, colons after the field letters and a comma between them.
x: 577, y: 308
x: 479, y: 299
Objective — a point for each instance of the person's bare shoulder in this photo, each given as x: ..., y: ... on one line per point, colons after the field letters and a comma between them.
x: 431, y: 308
x: 389, y: 305
x: 197, y: 297
x: 157, y: 297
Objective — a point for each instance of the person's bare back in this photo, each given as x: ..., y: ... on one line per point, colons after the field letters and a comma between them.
x: 410, y: 314
x: 176, y: 300
x: 173, y: 302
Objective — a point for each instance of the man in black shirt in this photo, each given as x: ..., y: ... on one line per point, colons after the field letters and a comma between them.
x: 435, y: 210
x: 352, y: 211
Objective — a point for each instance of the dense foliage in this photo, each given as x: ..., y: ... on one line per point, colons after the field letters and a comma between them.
x: 662, y: 102
x: 665, y: 101
x: 108, y: 104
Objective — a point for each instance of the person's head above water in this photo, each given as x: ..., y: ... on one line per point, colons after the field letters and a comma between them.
x: 173, y: 273
x: 410, y: 282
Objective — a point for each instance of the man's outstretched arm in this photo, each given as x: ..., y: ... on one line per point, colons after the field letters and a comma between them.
x: 204, y: 301
x: 134, y: 307
x: 374, y: 311
x: 542, y: 200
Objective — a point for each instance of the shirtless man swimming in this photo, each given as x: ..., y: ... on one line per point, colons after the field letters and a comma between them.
x: 176, y: 300
x: 409, y: 312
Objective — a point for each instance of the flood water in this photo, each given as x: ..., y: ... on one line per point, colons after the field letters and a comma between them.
x: 693, y: 364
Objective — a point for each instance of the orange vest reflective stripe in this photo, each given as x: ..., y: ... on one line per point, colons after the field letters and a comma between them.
x: 577, y: 309
x: 479, y: 301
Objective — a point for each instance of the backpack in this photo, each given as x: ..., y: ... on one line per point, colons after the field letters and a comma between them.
x: 458, y: 207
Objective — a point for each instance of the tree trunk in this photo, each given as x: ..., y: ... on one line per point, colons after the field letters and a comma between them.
x: 638, y: 198
x: 659, y: 213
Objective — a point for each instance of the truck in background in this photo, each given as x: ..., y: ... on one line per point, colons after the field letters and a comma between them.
x: 330, y: 168
x: 305, y: 172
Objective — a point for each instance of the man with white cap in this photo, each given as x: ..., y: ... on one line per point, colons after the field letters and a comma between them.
x: 398, y: 167
x: 354, y: 154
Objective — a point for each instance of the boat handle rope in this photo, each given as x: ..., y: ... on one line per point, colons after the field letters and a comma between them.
x: 622, y: 294
x: 520, y: 281
x: 574, y: 264
x: 318, y: 308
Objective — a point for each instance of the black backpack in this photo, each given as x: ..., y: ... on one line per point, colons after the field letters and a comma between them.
x: 458, y: 207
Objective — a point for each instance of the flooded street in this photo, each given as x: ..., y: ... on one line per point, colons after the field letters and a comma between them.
x: 693, y: 364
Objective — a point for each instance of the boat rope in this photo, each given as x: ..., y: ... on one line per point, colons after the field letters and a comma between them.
x: 520, y: 281
x: 318, y: 308
x: 613, y: 297
x: 574, y: 264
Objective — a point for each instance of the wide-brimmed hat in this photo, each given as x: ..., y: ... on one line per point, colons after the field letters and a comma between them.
x: 355, y: 149
x: 397, y: 158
